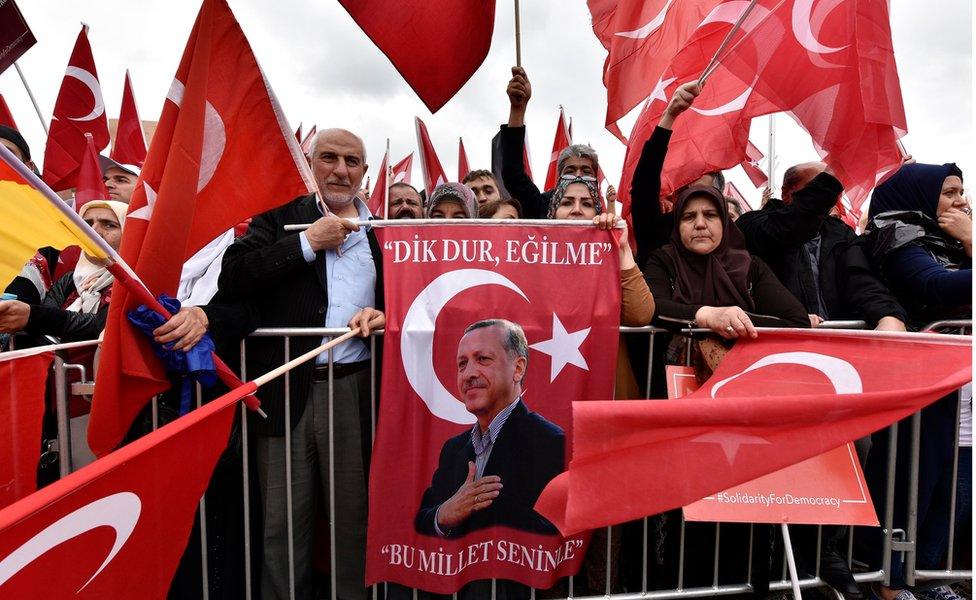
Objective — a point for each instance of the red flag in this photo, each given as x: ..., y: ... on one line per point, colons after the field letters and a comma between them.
x: 560, y: 142
x: 571, y: 332
x: 430, y: 165
x: 23, y: 375
x: 6, y: 118
x: 750, y: 165
x: 298, y: 134
x: 733, y: 192
x: 640, y: 36
x: 91, y: 184
x: 220, y: 119
x: 79, y: 110
x: 773, y: 402
x: 377, y: 200
x: 403, y: 169
x: 416, y: 38
x: 463, y: 167
x: 307, y: 142
x: 526, y: 160
x: 120, y: 522
x: 130, y: 141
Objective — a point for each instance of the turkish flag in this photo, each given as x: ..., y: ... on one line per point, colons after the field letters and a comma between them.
x: 463, y: 167
x: 439, y: 280
x: 430, y: 165
x: 400, y: 173
x: 733, y: 192
x: 91, y: 184
x: 6, y: 118
x: 23, y: 375
x: 436, y: 45
x: 120, y: 523
x: 750, y: 165
x: 307, y: 142
x: 220, y: 119
x: 773, y: 402
x: 829, y: 64
x: 130, y: 141
x: 78, y: 110
x: 560, y: 141
x: 640, y: 36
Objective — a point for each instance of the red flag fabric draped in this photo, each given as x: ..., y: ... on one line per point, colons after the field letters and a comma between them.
x: 91, y: 185
x: 436, y: 45
x: 78, y: 110
x: 430, y: 165
x: 120, y: 522
x: 560, y: 141
x: 425, y: 427
x: 750, y: 165
x: 130, y: 140
x: 805, y: 58
x: 463, y: 167
x: 773, y: 402
x: 6, y: 117
x: 22, y: 384
x: 640, y: 36
x: 220, y: 119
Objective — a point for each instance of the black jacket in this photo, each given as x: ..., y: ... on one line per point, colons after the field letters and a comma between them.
x: 266, y: 268
x: 775, y: 306
x: 778, y: 233
x: 529, y: 452
x: 535, y: 204
x: 49, y: 318
x: 652, y: 226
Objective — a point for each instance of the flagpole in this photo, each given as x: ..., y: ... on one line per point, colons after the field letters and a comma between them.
x: 30, y: 93
x: 771, y: 167
x: 712, y: 64
x: 791, y: 561
x: 386, y: 182
x: 518, y: 35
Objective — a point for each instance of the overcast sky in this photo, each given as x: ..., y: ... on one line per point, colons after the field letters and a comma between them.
x: 326, y: 71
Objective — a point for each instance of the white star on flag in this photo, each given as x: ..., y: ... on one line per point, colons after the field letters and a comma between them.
x: 563, y: 348
x: 730, y: 442
x: 659, y: 91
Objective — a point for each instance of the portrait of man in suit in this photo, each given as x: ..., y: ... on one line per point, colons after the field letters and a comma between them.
x: 493, y: 473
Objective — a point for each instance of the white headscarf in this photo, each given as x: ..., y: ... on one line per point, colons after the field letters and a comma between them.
x: 91, y: 279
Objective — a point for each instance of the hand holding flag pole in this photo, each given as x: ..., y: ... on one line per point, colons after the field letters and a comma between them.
x: 116, y: 265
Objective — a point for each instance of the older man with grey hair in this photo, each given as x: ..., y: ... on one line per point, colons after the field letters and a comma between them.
x: 578, y: 160
x: 317, y: 278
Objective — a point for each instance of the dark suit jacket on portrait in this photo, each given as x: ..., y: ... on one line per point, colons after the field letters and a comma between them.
x: 528, y: 454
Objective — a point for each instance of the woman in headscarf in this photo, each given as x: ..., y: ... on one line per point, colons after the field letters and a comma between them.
x: 707, y: 278
x: 452, y: 201
x: 919, y: 237
x: 76, y: 308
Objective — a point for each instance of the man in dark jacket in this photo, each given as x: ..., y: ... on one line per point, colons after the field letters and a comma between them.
x: 578, y: 160
x: 321, y: 277
x: 493, y: 473
x: 814, y: 255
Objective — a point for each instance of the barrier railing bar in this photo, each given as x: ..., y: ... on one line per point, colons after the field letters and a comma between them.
x: 246, y: 479
x: 955, y: 481
x: 911, y: 528
x: 289, y: 512
x: 61, y: 407
x: 927, y: 574
x: 889, y: 515
x: 718, y: 538
x: 333, y: 576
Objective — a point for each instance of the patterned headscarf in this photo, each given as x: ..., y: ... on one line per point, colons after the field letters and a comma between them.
x: 560, y: 191
x: 453, y: 192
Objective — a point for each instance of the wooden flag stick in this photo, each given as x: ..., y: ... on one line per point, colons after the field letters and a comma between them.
x: 288, y: 366
x: 518, y: 35
x: 712, y: 64
x: 30, y: 93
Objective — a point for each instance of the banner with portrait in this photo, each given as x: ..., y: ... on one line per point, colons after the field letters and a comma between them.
x: 492, y: 332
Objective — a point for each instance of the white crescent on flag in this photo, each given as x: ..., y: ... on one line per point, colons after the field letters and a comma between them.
x: 417, y: 338
x: 118, y: 511
x: 648, y: 28
x: 92, y: 84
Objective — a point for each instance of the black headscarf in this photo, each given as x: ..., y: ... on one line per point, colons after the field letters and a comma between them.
x: 915, y: 186
x: 719, y: 278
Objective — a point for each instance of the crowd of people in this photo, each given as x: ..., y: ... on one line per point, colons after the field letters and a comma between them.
x: 701, y: 260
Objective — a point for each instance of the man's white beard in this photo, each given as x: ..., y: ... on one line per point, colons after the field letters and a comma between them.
x: 337, y: 201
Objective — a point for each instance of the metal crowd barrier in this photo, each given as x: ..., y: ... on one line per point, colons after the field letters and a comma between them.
x: 906, y: 545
